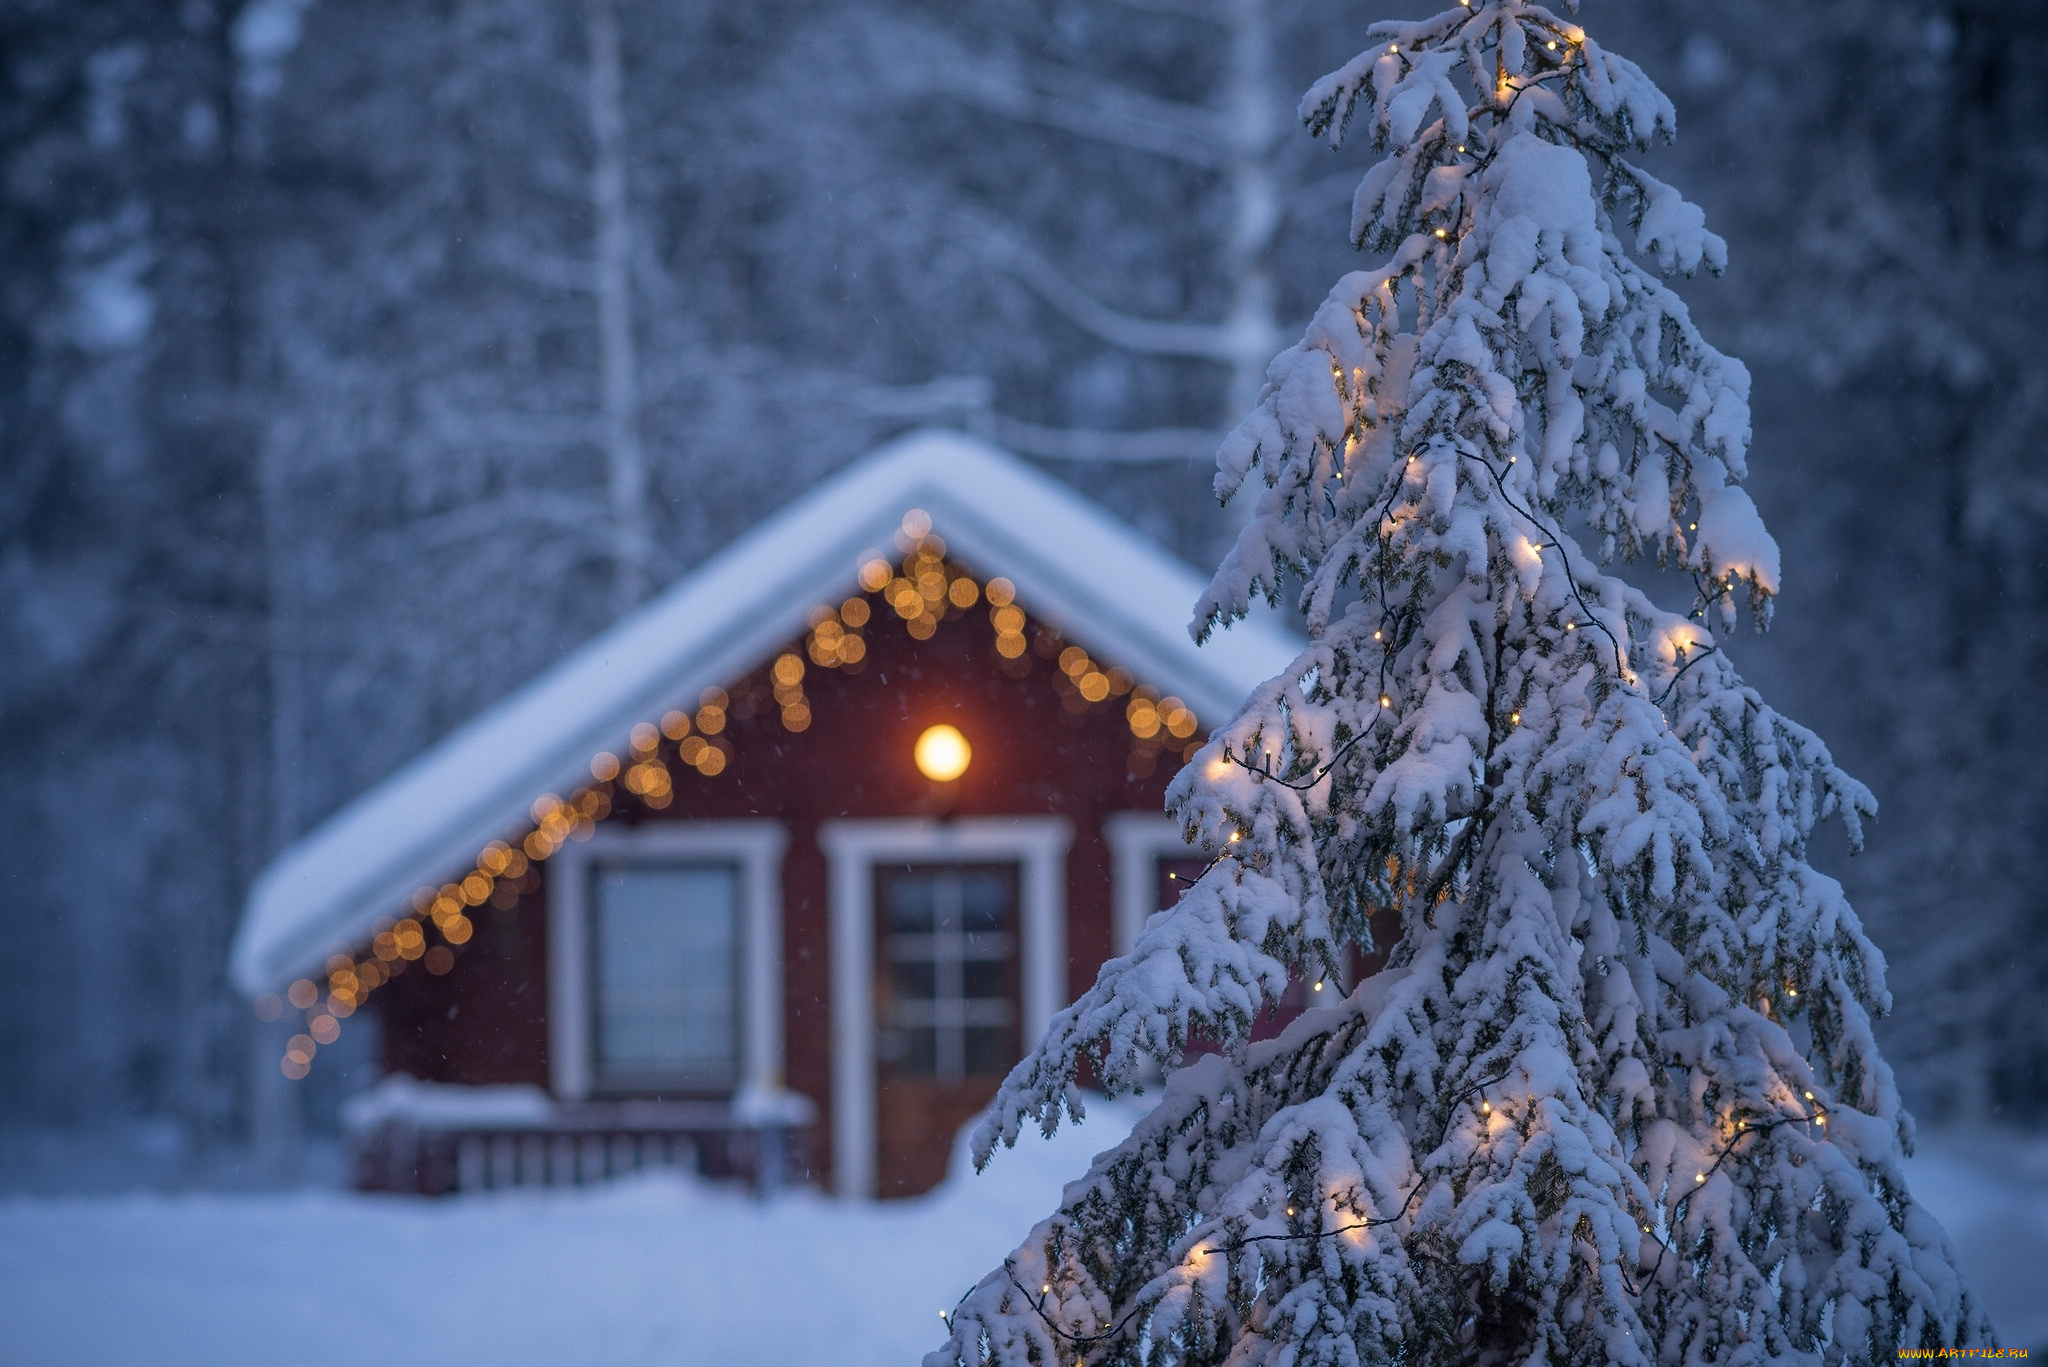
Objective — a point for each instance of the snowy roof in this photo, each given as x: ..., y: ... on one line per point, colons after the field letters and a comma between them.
x: 1075, y: 567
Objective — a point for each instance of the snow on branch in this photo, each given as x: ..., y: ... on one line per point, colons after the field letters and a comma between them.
x: 1146, y: 336
x: 1054, y: 96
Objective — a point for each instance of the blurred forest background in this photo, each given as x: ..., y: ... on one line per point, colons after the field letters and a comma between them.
x: 358, y: 358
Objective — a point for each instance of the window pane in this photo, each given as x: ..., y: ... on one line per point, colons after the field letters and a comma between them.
x: 667, y: 975
x: 988, y: 1050
x: 914, y: 978
x: 908, y: 898
x: 984, y: 899
x: 985, y: 945
x: 980, y: 978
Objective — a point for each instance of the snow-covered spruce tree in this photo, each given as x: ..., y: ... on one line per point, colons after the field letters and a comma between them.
x: 1615, y: 1097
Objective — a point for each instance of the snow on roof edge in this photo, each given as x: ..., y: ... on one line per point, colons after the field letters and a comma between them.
x: 1074, y: 566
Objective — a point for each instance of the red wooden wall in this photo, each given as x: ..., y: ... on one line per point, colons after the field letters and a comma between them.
x: 1034, y: 752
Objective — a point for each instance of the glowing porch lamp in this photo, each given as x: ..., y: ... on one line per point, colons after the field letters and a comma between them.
x: 942, y: 753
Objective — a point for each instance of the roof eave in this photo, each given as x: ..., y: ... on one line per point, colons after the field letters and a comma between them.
x: 722, y: 620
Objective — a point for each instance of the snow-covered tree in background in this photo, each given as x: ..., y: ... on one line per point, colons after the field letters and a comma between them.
x: 1615, y: 1097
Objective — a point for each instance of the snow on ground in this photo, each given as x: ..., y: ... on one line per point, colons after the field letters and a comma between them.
x: 656, y: 1270
x: 661, y: 1270
x: 1990, y: 1191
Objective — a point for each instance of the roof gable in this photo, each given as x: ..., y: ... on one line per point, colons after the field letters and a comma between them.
x: 1076, y: 568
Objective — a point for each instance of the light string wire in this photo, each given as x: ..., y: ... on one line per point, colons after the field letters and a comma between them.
x: 1264, y: 769
x: 1551, y: 540
x: 1401, y: 1214
x: 1674, y: 1216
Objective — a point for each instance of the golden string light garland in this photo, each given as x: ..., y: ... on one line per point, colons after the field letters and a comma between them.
x: 923, y: 589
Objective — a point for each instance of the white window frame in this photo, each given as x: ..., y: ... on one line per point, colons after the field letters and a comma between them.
x: 853, y: 849
x: 757, y: 848
x: 1137, y: 842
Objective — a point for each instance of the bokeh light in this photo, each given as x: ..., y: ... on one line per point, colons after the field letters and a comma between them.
x: 942, y: 753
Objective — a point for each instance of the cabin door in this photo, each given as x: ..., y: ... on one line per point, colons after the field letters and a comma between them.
x: 946, y: 1010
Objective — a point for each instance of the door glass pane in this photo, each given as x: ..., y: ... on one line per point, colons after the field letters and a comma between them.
x: 666, y: 964
x: 949, y: 948
x: 984, y: 978
x: 988, y: 1049
x: 910, y: 897
x: 984, y: 897
x: 915, y: 978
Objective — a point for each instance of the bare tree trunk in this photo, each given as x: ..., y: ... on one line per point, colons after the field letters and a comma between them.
x: 625, y: 463
x: 274, y: 1100
x: 1237, y: 136
x: 275, y: 1121
x: 1252, y: 102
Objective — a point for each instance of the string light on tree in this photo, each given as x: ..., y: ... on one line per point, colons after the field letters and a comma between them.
x: 1588, y: 904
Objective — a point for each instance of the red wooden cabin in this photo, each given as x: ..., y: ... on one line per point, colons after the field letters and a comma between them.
x: 690, y: 896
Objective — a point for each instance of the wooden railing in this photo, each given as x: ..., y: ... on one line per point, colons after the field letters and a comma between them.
x: 574, y: 1144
